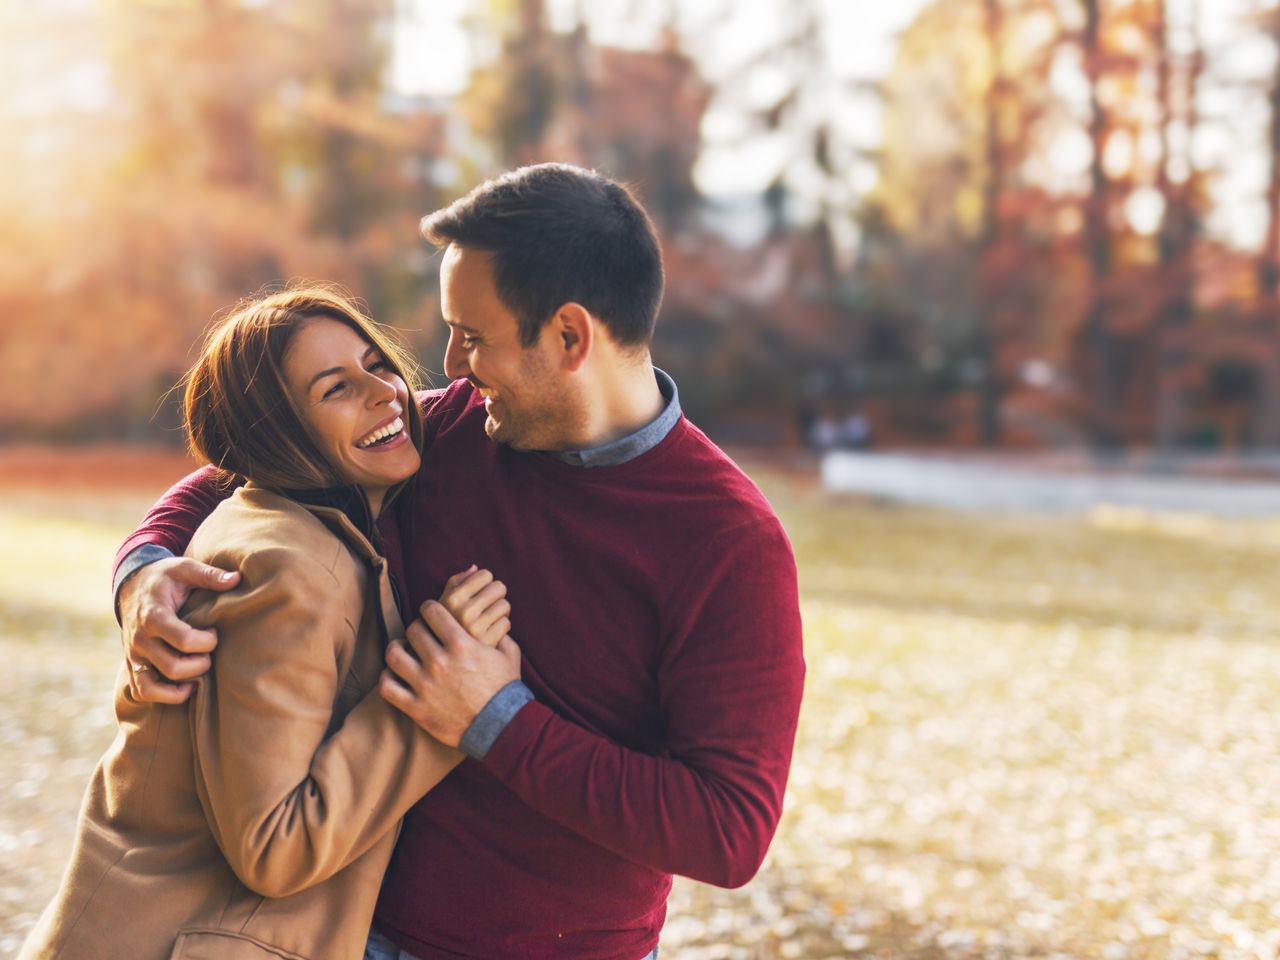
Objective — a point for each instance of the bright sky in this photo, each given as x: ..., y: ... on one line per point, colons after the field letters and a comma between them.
x: 433, y: 58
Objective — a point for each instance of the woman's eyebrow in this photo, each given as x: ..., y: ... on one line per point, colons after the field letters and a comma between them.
x: 322, y: 374
x: 332, y: 370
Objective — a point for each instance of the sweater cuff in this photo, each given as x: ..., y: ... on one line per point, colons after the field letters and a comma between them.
x: 135, y: 560
x: 493, y: 719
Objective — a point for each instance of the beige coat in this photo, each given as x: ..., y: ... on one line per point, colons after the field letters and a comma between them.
x: 256, y: 820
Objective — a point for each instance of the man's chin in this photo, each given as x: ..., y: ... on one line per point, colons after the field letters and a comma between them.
x: 495, y: 432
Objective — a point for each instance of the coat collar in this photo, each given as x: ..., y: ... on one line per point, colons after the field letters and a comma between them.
x: 348, y: 500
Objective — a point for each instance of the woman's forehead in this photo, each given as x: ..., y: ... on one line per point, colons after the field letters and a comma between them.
x: 320, y: 344
x: 325, y: 336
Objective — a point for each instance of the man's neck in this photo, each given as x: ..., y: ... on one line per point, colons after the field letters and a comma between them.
x: 623, y: 401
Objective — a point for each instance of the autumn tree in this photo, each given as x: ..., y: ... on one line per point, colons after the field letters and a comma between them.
x: 230, y: 144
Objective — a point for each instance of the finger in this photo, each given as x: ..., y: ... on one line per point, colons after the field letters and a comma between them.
x: 474, y: 609
x: 175, y: 667
x: 494, y: 633
x: 510, y: 649
x: 418, y: 644
x: 194, y: 574
x: 448, y: 632
x: 135, y: 680
x: 149, y: 687
x: 461, y: 592
x: 406, y: 668
x: 166, y: 626
x: 483, y: 621
x: 395, y: 692
x: 461, y: 575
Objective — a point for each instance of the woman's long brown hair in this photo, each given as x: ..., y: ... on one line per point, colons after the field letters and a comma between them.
x: 238, y: 413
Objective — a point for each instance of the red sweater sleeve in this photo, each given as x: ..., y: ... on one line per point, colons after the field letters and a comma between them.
x: 173, y: 520
x: 730, y: 683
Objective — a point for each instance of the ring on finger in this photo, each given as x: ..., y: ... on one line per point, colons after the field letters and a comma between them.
x: 140, y: 668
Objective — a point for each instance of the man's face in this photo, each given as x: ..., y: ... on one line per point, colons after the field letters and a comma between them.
x: 526, y: 389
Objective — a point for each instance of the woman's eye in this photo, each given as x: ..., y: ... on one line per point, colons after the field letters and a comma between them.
x: 380, y: 365
x: 334, y: 390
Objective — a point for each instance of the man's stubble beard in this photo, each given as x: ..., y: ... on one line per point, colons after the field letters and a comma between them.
x: 547, y: 417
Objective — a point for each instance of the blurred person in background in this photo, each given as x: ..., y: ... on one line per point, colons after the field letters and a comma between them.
x: 649, y: 730
x: 256, y: 819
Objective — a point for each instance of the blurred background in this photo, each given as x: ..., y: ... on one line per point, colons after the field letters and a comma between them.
x: 983, y: 293
x: 1018, y: 223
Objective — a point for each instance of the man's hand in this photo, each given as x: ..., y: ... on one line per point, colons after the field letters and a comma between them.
x: 446, y: 676
x: 165, y: 654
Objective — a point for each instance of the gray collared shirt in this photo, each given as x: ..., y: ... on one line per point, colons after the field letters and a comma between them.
x: 633, y: 444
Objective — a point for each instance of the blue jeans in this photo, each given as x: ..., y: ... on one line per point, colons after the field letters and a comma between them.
x: 380, y: 948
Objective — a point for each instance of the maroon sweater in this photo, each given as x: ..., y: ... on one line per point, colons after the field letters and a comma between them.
x: 655, y: 605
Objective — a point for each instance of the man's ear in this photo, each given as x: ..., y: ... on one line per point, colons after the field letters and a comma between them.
x: 575, y: 332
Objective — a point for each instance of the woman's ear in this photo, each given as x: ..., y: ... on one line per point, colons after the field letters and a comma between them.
x: 575, y: 331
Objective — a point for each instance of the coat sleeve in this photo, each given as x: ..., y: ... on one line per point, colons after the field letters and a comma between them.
x: 288, y: 803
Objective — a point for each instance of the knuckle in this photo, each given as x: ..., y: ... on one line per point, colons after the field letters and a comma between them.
x: 167, y: 663
x: 149, y: 688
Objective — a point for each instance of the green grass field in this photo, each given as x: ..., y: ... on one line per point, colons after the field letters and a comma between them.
x: 1022, y: 736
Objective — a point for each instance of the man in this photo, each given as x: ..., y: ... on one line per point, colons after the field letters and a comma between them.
x: 648, y: 729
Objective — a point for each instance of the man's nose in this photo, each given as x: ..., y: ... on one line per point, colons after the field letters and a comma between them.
x: 455, y: 359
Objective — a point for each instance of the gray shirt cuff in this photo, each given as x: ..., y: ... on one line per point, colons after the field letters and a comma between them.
x: 135, y: 560
x: 493, y: 719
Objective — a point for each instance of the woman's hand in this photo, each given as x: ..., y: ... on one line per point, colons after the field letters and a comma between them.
x: 479, y: 603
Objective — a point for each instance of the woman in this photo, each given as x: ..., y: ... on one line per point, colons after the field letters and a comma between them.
x: 256, y: 820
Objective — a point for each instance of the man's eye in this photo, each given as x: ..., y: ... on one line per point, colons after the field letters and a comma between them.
x: 470, y: 341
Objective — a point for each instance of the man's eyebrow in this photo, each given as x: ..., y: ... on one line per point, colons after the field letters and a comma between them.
x: 332, y: 370
x: 461, y: 326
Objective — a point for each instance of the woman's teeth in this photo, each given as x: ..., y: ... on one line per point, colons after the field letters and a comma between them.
x: 382, y: 433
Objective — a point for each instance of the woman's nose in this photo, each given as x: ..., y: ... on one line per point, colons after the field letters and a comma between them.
x: 380, y: 391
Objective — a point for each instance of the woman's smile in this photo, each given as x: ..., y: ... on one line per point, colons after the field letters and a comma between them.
x: 384, y: 435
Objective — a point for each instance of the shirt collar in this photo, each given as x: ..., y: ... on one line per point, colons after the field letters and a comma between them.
x: 633, y: 444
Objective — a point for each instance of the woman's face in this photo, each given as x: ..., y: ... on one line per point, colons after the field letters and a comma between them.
x: 354, y: 404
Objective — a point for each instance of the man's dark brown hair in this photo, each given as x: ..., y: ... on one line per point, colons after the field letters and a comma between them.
x: 559, y: 234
